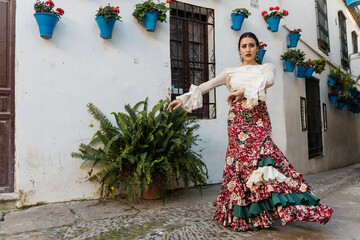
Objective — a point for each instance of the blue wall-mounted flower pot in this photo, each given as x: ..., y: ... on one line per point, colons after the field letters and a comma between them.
x: 293, y: 38
x: 340, y: 105
x: 46, y: 23
x: 309, y: 72
x: 237, y: 20
x: 300, y: 71
x: 353, y: 3
x: 261, y: 54
x: 273, y: 23
x: 106, y: 27
x: 289, y: 66
x: 333, y: 99
x: 353, y: 93
x: 150, y: 20
x: 331, y: 82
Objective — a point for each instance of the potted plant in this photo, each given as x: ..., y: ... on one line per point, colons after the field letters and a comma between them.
x: 333, y: 95
x: 46, y: 17
x: 291, y: 57
x: 237, y: 16
x: 316, y: 65
x: 262, y: 51
x: 341, y: 102
x: 273, y: 17
x: 106, y: 18
x: 143, y: 150
x: 323, y: 44
x: 334, y: 76
x: 294, y: 37
x: 353, y: 3
x: 150, y: 12
x: 345, y: 63
x: 302, y: 67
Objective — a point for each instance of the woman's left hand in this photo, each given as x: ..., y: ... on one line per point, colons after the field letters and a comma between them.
x: 235, y: 96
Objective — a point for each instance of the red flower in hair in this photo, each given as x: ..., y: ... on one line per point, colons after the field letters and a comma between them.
x: 276, y: 8
x: 263, y: 13
x: 49, y: 2
x: 60, y: 11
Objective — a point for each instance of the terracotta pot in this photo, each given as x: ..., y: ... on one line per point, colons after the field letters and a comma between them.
x: 153, y: 192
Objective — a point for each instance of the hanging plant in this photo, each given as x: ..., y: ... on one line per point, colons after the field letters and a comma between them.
x: 262, y: 51
x: 291, y: 57
x: 237, y: 16
x: 46, y: 17
x: 273, y: 17
x: 150, y: 12
x: 106, y: 18
x: 294, y: 36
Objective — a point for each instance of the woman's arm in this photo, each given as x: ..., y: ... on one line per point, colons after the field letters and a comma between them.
x: 269, y: 71
x: 193, y: 99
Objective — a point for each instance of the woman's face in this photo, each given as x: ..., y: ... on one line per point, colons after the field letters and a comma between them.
x: 248, y: 49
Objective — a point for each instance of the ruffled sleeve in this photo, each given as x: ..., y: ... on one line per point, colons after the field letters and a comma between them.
x: 193, y: 99
x: 255, y: 91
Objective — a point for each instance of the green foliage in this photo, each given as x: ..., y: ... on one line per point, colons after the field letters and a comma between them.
x: 149, y: 5
x: 241, y: 11
x: 319, y: 65
x: 108, y: 12
x: 344, y: 79
x: 293, y: 55
x: 47, y: 7
x: 335, y: 73
x: 142, y: 148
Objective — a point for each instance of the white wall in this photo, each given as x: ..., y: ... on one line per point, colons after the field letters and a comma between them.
x: 56, y: 78
x: 341, y: 140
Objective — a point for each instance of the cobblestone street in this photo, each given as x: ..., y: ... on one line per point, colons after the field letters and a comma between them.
x: 186, y: 215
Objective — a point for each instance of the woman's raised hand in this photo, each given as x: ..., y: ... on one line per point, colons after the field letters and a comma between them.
x: 235, y: 96
x: 175, y: 105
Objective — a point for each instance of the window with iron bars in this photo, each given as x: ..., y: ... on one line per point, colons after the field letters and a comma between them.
x: 343, y: 41
x: 313, y: 108
x: 322, y: 26
x: 354, y: 41
x: 192, y: 52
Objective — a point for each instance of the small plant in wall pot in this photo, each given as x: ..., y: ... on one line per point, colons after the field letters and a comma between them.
x: 106, y: 18
x: 46, y: 17
x: 273, y: 17
x: 237, y: 16
x: 150, y: 12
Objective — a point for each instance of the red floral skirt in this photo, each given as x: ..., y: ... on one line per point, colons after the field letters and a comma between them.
x: 259, y: 183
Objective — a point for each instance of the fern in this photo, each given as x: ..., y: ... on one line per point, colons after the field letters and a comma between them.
x: 143, y: 148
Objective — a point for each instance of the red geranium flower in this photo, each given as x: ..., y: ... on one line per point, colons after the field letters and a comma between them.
x: 286, y: 13
x: 263, y: 13
x: 265, y: 45
x: 271, y: 8
x: 299, y: 30
x: 60, y: 11
x: 276, y: 8
x: 168, y: 1
x: 116, y: 9
x: 50, y: 2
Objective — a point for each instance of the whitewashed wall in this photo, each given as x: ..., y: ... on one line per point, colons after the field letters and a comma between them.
x: 56, y: 78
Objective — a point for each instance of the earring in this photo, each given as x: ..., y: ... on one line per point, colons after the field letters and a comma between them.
x: 241, y: 58
x: 257, y: 59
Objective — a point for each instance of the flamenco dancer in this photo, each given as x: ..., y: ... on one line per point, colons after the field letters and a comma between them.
x: 259, y: 184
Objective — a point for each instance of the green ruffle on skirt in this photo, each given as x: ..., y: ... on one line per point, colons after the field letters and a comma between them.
x: 276, y: 199
x: 266, y: 162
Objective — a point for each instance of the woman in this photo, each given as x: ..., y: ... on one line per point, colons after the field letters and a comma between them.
x: 259, y: 183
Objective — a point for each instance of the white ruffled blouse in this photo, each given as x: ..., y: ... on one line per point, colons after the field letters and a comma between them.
x: 254, y: 78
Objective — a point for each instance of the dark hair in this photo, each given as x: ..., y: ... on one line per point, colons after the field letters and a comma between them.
x: 249, y: 35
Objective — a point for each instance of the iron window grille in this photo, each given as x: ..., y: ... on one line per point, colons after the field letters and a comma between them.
x: 322, y: 26
x: 343, y: 41
x: 313, y: 107
x: 192, y: 52
x: 354, y: 41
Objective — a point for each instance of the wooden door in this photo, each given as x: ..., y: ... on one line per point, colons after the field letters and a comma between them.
x: 7, y: 106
